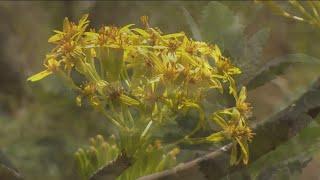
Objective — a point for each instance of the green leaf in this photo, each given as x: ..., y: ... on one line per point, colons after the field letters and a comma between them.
x: 277, y: 66
x: 39, y: 76
x: 220, y: 26
x: 250, y: 59
x: 255, y: 44
x: 303, y: 146
x: 112, y: 62
x: 194, y: 27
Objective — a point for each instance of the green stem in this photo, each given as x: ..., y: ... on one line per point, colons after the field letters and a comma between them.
x: 187, y: 137
x: 145, y: 131
x: 113, y: 121
x: 102, y: 73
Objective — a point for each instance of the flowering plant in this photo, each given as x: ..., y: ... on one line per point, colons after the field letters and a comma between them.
x: 141, y: 80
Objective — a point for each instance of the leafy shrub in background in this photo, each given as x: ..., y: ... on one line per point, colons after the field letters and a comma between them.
x: 142, y: 80
x: 307, y: 11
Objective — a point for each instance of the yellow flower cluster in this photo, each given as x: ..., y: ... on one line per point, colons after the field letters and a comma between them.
x: 153, y: 75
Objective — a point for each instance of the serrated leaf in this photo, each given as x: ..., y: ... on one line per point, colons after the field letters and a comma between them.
x: 220, y: 26
x: 277, y: 66
x: 250, y: 59
x: 302, y: 146
x: 255, y: 44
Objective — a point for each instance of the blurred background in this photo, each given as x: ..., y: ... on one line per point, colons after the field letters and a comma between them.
x: 41, y: 126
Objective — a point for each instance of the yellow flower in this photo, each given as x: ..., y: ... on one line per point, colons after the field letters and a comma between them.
x: 174, y: 152
x: 52, y: 66
x: 203, y: 48
x: 70, y: 31
x: 109, y: 35
x: 89, y: 89
x: 145, y: 21
x: 173, y: 45
x: 191, y: 47
x: 236, y: 130
x: 225, y: 66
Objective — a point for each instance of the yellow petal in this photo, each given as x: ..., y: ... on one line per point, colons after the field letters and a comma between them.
x: 234, y: 154
x: 141, y: 32
x: 125, y: 28
x: 189, y: 59
x: 128, y: 100
x: 66, y: 25
x: 242, y: 95
x: 83, y: 20
x: 39, y: 76
x: 174, y: 35
x: 79, y: 100
x: 232, y: 86
x: 244, y: 150
x: 216, y: 137
x: 220, y: 121
x: 55, y: 38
